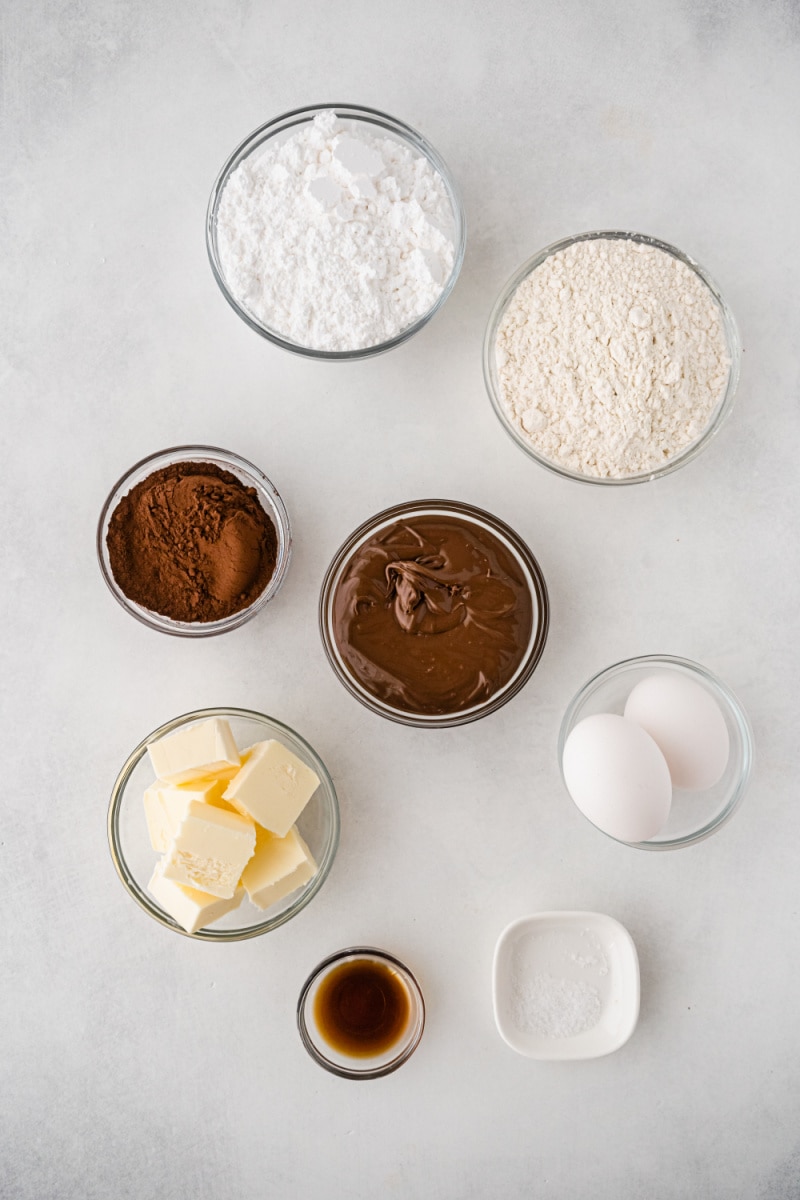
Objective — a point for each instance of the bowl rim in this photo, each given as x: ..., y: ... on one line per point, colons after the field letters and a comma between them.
x: 524, y: 556
x: 721, y: 690
x: 417, y: 998
x: 569, y: 917
x: 350, y: 112
x: 269, y: 498
x: 140, y: 894
x: 718, y: 417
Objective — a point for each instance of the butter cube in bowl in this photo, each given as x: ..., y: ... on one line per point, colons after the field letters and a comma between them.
x: 223, y: 824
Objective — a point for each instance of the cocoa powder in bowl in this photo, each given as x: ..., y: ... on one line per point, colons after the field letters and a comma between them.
x: 192, y: 543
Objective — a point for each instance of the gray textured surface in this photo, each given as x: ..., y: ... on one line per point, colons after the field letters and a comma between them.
x: 135, y: 1063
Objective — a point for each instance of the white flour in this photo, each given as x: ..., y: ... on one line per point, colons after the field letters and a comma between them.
x: 611, y: 358
x: 336, y: 239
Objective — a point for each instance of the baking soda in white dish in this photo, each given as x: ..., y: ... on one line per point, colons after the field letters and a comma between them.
x: 556, y: 1007
x: 557, y: 1002
x: 611, y: 357
x: 565, y: 985
x: 335, y: 238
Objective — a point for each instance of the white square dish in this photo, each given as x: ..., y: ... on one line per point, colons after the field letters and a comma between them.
x: 565, y: 985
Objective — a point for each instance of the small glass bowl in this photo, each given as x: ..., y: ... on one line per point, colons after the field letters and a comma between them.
x: 721, y: 412
x: 269, y: 499
x: 693, y: 815
x: 135, y: 859
x: 375, y: 120
x: 525, y: 561
x: 346, y: 1065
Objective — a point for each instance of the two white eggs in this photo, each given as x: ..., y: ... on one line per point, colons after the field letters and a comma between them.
x: 621, y: 770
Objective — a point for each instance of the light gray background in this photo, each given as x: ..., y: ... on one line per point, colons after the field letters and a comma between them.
x: 136, y: 1063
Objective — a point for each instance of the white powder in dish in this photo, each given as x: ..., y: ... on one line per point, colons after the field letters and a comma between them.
x: 611, y: 357
x: 336, y: 239
x: 552, y: 983
x: 555, y: 1007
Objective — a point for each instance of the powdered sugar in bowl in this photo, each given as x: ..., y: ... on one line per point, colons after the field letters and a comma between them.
x: 611, y: 358
x: 335, y: 231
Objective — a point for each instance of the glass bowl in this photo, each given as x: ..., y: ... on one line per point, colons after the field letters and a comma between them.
x: 693, y: 815
x: 376, y: 121
x: 269, y: 499
x: 349, y: 1066
x: 527, y: 565
x: 135, y: 859
x: 718, y: 416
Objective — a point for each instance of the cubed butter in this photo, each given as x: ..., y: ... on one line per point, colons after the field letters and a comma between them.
x: 192, y: 909
x: 210, y: 850
x: 278, y: 867
x: 194, y: 752
x: 226, y: 775
x: 273, y: 787
x: 164, y: 809
x: 165, y: 806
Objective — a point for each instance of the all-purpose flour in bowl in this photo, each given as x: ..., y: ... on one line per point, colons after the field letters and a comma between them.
x: 611, y: 357
x: 333, y: 234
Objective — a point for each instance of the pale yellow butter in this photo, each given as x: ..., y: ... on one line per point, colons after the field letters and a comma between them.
x: 191, y: 908
x: 278, y: 867
x: 194, y: 752
x: 164, y: 809
x: 226, y: 775
x: 165, y: 806
x: 210, y: 849
x: 273, y: 787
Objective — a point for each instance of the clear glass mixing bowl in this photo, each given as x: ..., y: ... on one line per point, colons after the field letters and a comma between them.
x: 135, y: 859
x: 693, y: 815
x: 528, y: 568
x: 374, y: 121
x: 690, y: 452
x: 268, y: 497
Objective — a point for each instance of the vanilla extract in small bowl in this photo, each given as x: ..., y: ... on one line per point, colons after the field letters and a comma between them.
x: 362, y: 1008
x: 361, y: 1013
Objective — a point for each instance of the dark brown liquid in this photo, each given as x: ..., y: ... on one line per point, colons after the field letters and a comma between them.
x: 362, y: 1008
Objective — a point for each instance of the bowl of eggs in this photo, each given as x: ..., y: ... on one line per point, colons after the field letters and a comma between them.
x: 656, y: 752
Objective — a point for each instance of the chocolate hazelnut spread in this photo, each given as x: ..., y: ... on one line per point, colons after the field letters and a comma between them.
x: 432, y: 615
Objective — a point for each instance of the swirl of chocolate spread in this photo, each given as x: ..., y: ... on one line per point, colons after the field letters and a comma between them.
x: 432, y: 615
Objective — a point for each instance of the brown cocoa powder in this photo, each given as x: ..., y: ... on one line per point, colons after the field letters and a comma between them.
x: 192, y: 543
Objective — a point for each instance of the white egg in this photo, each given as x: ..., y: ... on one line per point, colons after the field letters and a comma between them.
x: 686, y: 723
x: 618, y: 777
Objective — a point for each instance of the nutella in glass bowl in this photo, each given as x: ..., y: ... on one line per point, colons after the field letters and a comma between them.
x: 434, y: 613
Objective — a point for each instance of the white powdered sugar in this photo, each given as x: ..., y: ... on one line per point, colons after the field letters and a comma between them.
x: 611, y: 357
x: 336, y: 239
